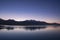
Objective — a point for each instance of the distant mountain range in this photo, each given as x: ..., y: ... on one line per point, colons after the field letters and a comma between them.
x: 26, y: 22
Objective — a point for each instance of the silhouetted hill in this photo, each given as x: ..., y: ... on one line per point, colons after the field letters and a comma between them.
x: 26, y: 22
x: 54, y: 23
x: 32, y: 22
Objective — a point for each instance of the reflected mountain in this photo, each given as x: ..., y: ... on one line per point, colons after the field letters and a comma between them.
x: 56, y: 26
x: 1, y: 27
x: 33, y: 28
x: 8, y: 28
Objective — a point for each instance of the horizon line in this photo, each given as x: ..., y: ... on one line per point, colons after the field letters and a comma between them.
x: 28, y: 20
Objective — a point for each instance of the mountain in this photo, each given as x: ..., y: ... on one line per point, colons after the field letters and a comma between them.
x: 26, y: 22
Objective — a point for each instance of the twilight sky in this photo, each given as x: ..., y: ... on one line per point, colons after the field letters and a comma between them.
x: 41, y: 10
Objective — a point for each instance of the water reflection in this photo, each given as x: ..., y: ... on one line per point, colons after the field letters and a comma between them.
x: 8, y: 28
x: 56, y: 26
x: 26, y: 27
x: 34, y: 28
x: 35, y: 32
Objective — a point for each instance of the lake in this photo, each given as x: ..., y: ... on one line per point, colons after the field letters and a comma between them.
x: 34, y: 32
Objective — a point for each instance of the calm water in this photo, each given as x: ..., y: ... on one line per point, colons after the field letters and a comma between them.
x: 36, y: 32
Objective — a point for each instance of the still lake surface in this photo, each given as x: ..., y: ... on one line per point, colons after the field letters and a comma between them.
x: 34, y: 32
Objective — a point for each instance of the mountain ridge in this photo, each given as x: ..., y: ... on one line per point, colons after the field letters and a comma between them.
x: 26, y: 22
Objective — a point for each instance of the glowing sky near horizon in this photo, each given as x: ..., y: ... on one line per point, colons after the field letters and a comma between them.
x: 41, y: 10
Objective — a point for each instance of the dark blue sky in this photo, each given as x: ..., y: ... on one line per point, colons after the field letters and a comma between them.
x: 41, y: 10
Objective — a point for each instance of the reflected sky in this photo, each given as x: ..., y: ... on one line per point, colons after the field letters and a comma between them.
x: 31, y: 27
x: 50, y: 32
x: 20, y: 33
x: 41, y: 10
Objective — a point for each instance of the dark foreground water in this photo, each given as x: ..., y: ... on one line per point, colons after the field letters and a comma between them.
x: 30, y: 32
